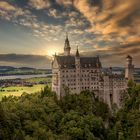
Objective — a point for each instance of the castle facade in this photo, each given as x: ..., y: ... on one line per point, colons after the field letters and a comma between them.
x: 78, y: 73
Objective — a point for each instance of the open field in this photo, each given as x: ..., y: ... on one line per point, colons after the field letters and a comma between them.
x: 39, y: 79
x: 17, y: 91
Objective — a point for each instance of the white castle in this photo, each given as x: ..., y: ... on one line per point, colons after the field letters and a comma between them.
x: 79, y: 73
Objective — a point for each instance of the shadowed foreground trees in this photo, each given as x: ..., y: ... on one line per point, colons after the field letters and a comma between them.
x: 41, y: 116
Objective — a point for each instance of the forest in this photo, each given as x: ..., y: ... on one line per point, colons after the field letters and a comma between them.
x: 41, y: 116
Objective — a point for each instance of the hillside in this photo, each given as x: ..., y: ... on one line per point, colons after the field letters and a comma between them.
x: 41, y: 116
x: 7, y: 70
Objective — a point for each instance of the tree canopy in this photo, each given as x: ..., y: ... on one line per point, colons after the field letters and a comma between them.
x: 41, y: 116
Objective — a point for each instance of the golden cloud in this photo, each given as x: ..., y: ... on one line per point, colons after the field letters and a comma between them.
x: 65, y: 2
x: 8, y: 11
x: 112, y: 17
x: 6, y: 6
x: 40, y: 4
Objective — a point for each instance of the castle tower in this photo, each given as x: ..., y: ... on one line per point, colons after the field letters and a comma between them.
x: 129, y: 68
x: 67, y: 47
x: 77, y: 65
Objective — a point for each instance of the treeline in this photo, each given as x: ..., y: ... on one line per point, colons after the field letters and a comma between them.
x: 7, y: 70
x: 41, y: 116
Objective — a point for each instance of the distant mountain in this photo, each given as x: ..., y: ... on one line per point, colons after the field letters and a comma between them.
x: 26, y: 68
x: 8, y: 70
x: 6, y: 67
x: 121, y: 70
x: 22, y: 68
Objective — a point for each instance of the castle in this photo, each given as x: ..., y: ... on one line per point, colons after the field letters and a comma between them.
x: 79, y: 73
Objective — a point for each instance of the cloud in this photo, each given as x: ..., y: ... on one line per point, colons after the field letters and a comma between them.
x: 65, y: 2
x: 36, y: 61
x: 6, y: 6
x: 115, y: 56
x: 16, y: 14
x: 53, y: 13
x: 40, y: 4
x: 8, y: 11
x: 109, y: 16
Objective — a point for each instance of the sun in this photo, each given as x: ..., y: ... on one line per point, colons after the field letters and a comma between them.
x: 52, y: 50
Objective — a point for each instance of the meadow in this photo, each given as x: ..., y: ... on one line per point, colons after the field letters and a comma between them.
x: 17, y: 91
x: 37, y: 82
x: 38, y: 79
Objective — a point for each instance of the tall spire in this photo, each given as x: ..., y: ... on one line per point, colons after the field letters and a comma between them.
x: 77, y: 53
x: 67, y: 44
x: 67, y: 35
x: 67, y: 47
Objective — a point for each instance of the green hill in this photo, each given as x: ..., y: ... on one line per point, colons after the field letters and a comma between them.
x: 7, y: 70
x: 41, y: 116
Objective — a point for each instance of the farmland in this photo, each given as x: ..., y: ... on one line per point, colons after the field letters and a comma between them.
x: 16, y: 87
x: 17, y: 91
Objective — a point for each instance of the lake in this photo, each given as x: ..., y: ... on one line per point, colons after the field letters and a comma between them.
x: 23, y: 76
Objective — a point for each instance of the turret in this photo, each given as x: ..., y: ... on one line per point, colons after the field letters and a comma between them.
x: 129, y: 68
x: 67, y: 47
x: 77, y: 53
x: 77, y: 66
x: 77, y: 58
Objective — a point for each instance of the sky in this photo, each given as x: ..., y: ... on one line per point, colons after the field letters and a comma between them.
x: 31, y: 31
